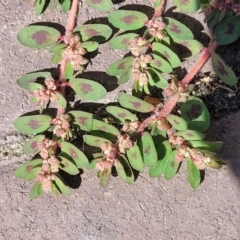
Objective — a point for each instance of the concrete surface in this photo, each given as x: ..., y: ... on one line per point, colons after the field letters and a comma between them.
x: 149, y: 209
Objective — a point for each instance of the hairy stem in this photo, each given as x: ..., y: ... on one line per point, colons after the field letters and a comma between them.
x: 159, y: 10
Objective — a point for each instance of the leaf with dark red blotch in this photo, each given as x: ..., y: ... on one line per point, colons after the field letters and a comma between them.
x: 125, y: 76
x: 177, y: 122
x: 187, y: 48
x: 74, y: 154
x: 122, y: 41
x: 164, y: 151
x: 28, y: 81
x: 176, y: 29
x: 39, y: 6
x: 36, y: 190
x: 134, y: 103
x: 61, y: 185
x: 196, y: 114
x: 94, y: 141
x: 79, y: 118
x: 160, y: 64
x: 167, y: 54
x: 100, y: 5
x: 224, y: 72
x: 27, y: 167
x: 172, y: 166
x: 101, y: 129
x: 155, y: 78
x: 228, y: 30
x: 193, y: 173
x: 38, y: 36
x: 135, y: 158
x: 32, y: 124
x: 127, y: 20
x: 118, y: 67
x: 148, y: 150
x: 67, y: 166
x: 187, y: 5
x: 121, y: 114
x: 31, y: 146
x: 88, y: 89
x: 94, y: 32
x: 124, y: 170
x: 190, y: 135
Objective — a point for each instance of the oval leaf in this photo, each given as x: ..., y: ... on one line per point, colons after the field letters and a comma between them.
x: 177, y: 122
x: 124, y: 170
x: 135, y: 158
x: 193, y: 173
x: 88, y: 89
x: 65, y: 5
x: 32, y: 124
x: 100, y: 5
x: 39, y: 6
x: 38, y: 36
x: 172, y: 166
x: 188, y: 5
x: 209, y: 146
x: 156, y: 79
x: 61, y: 186
x: 94, y: 141
x: 36, y: 190
x: 160, y: 64
x: 190, y: 135
x: 31, y: 146
x: 134, y: 103
x: 68, y: 166
x: 79, y: 118
x: 127, y: 20
x: 121, y: 114
x: 125, y: 76
x: 105, y: 177
x: 122, y: 41
x: 31, y: 174
x: 90, y: 46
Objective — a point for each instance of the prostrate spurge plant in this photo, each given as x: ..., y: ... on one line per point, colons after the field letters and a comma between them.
x: 158, y: 135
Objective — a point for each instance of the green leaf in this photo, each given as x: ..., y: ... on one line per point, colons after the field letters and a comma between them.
x: 212, y: 20
x: 61, y: 100
x: 213, y: 162
x: 92, y: 164
x: 122, y: 41
x: 127, y: 20
x: 121, y: 114
x: 105, y: 176
x: 31, y: 174
x: 38, y: 36
x: 53, y: 4
x: 61, y: 186
x: 67, y: 166
x: 80, y: 118
x: 205, y: 145
x: 125, y: 76
x: 31, y: 146
x: 101, y: 129
x: 148, y: 150
x: 32, y: 124
x: 156, y: 79
x: 172, y: 166
x: 167, y: 53
x: 228, y: 30
x: 135, y: 158
x: 58, y: 56
x: 124, y: 170
x: 65, y: 5
x: 177, y: 122
x: 118, y: 67
x: 187, y: 5
x: 88, y: 89
x: 72, y: 153
x: 177, y: 30
x: 90, y: 46
x: 193, y: 173
x: 39, y: 6
x: 196, y: 114
x: 28, y: 81
x: 190, y: 135
x: 94, y: 32
x: 36, y: 190
x: 224, y: 72
x: 57, y: 47
x: 27, y: 167
x: 94, y: 141
x: 68, y: 71
x: 161, y: 64
x: 100, y: 5
x: 164, y: 150
x: 134, y: 103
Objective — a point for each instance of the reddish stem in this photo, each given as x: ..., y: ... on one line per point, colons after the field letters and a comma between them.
x: 159, y: 10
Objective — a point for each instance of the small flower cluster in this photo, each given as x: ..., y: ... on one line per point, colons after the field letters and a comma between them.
x: 131, y: 126
x: 50, y: 164
x: 156, y: 27
x: 62, y: 126
x: 43, y: 95
x: 74, y: 52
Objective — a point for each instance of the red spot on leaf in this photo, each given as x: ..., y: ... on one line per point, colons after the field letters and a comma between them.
x: 82, y: 120
x: 91, y: 32
x: 158, y: 63
x: 125, y: 41
x: 189, y: 134
x: 121, y: 66
x: 65, y: 164
x: 147, y: 150
x: 175, y: 28
x: 134, y: 155
x: 166, y: 55
x: 173, y: 164
x: 40, y: 37
x: 33, y: 124
x: 34, y: 145
x: 122, y: 115
x: 221, y: 68
x: 230, y: 29
x: 176, y: 122
x: 194, y: 111
x: 136, y: 104
x: 73, y: 154
x: 86, y: 88
x: 29, y: 168
x: 102, y: 128
x: 128, y: 20
x: 184, y: 2
x: 96, y: 1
